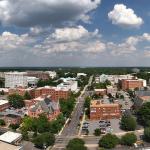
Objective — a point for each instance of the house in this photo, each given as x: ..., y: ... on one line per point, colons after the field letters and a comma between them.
x: 103, y: 109
x: 45, y: 106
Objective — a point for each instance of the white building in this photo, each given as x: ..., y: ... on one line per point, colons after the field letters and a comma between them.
x: 32, y: 81
x: 11, y: 137
x: 81, y: 74
x: 52, y: 74
x: 67, y: 79
x: 70, y: 85
x: 144, y: 82
x: 15, y: 79
x: 103, y: 78
x: 114, y: 78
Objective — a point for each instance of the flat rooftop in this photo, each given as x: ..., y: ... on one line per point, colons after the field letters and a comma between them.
x: 103, y: 103
x: 10, y: 137
x: 2, y: 102
x: 6, y: 146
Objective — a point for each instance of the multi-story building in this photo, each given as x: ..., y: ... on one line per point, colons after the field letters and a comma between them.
x: 15, y: 79
x: 70, y: 85
x: 12, y: 119
x: 21, y: 91
x: 102, y: 109
x: 38, y: 74
x: 141, y: 97
x: 52, y: 74
x: 81, y: 74
x: 4, y: 104
x: 114, y: 79
x: 32, y: 81
x: 132, y: 84
x: 55, y: 92
x: 100, y: 92
x: 44, y: 105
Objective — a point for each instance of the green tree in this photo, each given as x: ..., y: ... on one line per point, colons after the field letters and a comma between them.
x: 67, y: 106
x: 108, y: 141
x: 27, y: 96
x: 29, y: 124
x: 97, y: 132
x: 128, y: 123
x: 75, y: 144
x: 16, y: 101
x: 143, y: 114
x: 128, y: 139
x: 122, y: 96
x: 24, y: 134
x: 14, y: 126
x: 147, y: 134
x: 44, y: 139
x: 2, y: 122
x: 87, y: 102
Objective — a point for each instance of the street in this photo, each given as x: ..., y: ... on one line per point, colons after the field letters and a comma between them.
x: 70, y: 130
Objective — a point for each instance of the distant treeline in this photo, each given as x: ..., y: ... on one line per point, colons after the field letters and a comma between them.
x: 88, y: 70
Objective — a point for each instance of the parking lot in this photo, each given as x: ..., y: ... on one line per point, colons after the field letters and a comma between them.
x: 114, y: 126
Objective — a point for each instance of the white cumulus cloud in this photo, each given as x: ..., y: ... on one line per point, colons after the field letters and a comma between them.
x: 45, y: 12
x: 123, y: 16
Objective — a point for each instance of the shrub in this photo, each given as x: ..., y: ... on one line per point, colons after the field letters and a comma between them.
x: 128, y: 123
x: 128, y: 139
x: 147, y: 134
x: 108, y: 141
x: 97, y: 132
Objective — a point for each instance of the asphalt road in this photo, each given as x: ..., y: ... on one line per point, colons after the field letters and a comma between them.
x: 71, y: 130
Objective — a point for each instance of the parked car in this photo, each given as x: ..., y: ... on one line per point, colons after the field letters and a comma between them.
x: 103, y: 130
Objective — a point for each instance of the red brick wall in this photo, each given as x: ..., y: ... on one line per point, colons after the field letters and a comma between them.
x: 100, y: 113
x: 129, y: 84
x: 4, y: 107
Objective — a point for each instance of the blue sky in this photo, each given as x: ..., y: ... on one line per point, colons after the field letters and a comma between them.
x: 69, y: 33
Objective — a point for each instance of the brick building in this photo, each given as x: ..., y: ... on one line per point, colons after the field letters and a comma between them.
x: 44, y: 106
x: 100, y: 92
x: 12, y: 119
x: 100, y: 109
x: 4, y: 104
x: 21, y: 91
x: 132, y: 84
x: 55, y: 92
x: 38, y: 74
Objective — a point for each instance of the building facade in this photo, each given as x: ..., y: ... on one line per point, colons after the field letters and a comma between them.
x: 4, y: 104
x: 100, y: 110
x: 15, y: 79
x: 132, y: 84
x: 44, y: 106
x: 39, y: 74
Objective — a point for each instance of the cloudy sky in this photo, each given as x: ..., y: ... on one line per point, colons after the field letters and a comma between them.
x: 75, y: 33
